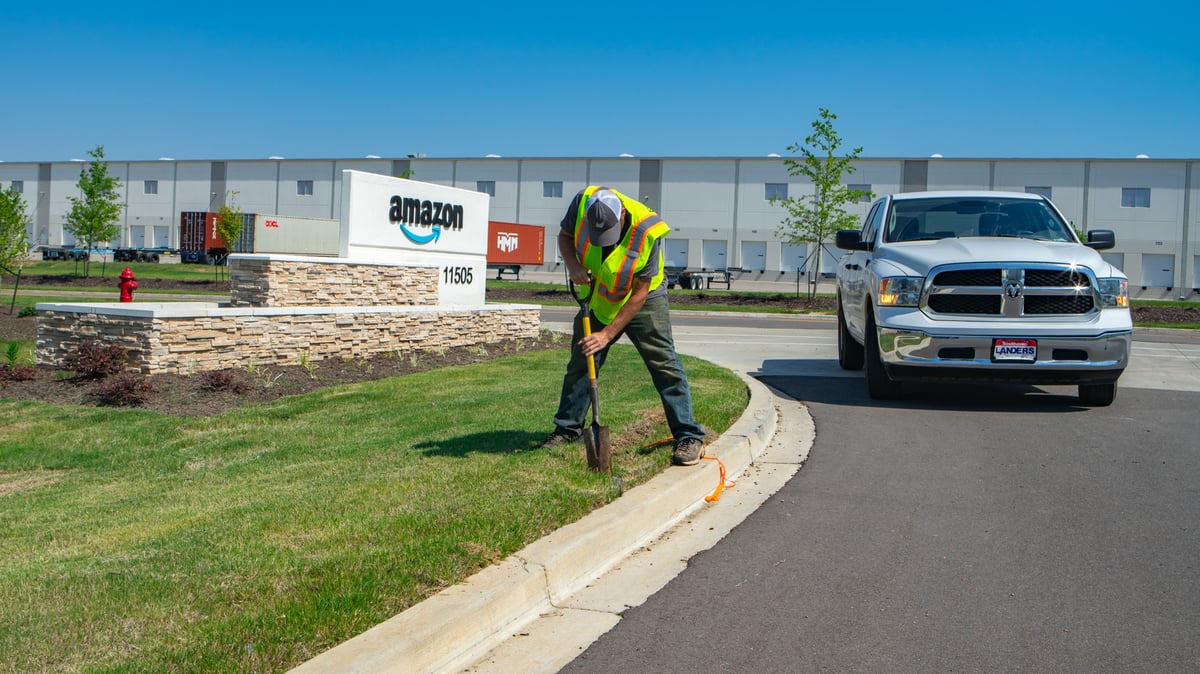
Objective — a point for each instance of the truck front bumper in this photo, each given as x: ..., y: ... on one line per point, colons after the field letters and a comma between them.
x: 909, y: 354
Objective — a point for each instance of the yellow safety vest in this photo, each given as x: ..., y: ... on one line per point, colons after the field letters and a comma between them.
x: 614, y: 274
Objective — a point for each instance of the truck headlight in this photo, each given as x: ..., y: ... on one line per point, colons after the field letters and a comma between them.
x: 1114, y: 292
x: 900, y: 291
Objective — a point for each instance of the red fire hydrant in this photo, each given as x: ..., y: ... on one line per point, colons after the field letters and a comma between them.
x: 127, y: 285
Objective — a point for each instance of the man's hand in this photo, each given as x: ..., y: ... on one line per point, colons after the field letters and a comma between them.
x: 579, y: 275
x: 595, y: 342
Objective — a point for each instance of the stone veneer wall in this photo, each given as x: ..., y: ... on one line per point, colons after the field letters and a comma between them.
x: 265, y: 282
x: 184, y: 344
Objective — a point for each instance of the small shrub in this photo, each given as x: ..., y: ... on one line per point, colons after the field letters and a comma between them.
x: 12, y: 353
x: 27, y: 311
x: 94, y: 359
x: 223, y: 380
x: 125, y: 390
x: 17, y: 372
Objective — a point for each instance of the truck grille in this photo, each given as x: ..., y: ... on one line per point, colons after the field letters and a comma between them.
x: 1011, y: 292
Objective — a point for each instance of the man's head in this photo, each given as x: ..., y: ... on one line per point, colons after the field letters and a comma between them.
x: 604, y: 218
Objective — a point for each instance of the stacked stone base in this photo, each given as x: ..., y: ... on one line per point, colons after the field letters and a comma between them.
x: 272, y: 320
x: 186, y: 337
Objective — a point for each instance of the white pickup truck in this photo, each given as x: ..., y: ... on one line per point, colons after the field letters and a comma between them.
x: 980, y: 286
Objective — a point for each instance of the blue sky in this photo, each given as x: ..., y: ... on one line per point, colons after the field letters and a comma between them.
x: 223, y: 80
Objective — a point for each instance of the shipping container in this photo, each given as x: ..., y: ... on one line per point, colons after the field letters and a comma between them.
x: 198, y: 232
x: 289, y: 235
x: 510, y: 243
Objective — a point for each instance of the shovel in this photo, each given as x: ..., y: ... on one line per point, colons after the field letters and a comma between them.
x: 595, y: 437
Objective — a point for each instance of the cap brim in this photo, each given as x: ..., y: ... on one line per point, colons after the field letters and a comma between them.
x: 609, y: 236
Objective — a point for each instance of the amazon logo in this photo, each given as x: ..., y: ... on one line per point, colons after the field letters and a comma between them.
x: 415, y: 215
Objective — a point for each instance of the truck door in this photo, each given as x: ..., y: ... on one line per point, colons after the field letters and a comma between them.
x: 853, y: 275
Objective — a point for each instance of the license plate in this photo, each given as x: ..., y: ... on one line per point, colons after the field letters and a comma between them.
x: 1020, y: 350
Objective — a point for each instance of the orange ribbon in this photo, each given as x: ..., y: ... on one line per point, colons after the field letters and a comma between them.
x: 722, y: 485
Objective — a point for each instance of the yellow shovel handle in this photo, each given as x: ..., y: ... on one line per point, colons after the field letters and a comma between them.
x: 591, y: 362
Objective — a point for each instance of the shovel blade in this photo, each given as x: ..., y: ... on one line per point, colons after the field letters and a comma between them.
x: 599, y: 451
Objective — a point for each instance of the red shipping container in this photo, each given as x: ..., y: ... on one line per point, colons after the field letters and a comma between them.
x: 198, y: 232
x: 510, y: 243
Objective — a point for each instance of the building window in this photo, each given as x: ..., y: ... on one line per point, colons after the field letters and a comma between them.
x: 150, y: 187
x: 1135, y: 197
x: 863, y: 189
x: 552, y: 189
x: 776, y: 191
x: 304, y: 188
x: 18, y: 186
x: 488, y: 187
x: 1043, y: 191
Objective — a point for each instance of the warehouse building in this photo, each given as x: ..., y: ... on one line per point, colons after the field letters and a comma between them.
x: 719, y: 208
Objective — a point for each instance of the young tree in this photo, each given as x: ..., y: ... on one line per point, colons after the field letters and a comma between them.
x: 816, y: 217
x: 229, y: 220
x: 14, y: 239
x: 93, y: 215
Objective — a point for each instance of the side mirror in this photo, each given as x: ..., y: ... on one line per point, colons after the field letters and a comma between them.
x: 851, y: 239
x: 1101, y: 239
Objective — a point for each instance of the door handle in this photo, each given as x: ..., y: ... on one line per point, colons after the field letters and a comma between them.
x: 852, y: 267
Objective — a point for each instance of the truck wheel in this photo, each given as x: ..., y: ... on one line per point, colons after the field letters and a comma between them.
x: 697, y: 283
x: 850, y: 352
x: 1097, y: 395
x: 879, y: 385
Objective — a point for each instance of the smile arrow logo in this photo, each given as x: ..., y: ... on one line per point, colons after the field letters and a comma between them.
x: 422, y: 239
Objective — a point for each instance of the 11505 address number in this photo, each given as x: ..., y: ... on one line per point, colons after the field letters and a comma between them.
x: 457, y: 275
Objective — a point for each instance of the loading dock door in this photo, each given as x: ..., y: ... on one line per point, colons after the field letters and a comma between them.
x: 754, y: 255
x: 1158, y: 271
x: 714, y: 255
x: 793, y: 257
x: 676, y: 253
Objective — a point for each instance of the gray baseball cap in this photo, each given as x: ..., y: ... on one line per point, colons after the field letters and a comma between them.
x: 604, y: 218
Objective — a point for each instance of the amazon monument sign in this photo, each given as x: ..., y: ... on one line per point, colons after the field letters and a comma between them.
x: 411, y: 223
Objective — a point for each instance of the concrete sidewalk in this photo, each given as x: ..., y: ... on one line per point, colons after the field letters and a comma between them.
x: 542, y: 606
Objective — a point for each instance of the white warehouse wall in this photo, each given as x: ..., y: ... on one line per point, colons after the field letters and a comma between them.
x: 695, y: 195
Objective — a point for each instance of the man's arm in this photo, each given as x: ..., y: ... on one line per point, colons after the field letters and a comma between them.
x: 566, y: 248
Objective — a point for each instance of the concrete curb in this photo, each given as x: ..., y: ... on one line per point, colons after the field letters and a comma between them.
x: 461, y: 623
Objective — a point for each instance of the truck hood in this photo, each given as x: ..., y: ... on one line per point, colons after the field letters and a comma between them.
x: 918, y: 257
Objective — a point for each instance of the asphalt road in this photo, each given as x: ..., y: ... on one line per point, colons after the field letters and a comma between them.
x: 966, y: 528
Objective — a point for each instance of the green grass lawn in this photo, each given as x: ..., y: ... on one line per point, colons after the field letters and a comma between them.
x: 132, y: 541
x: 141, y: 270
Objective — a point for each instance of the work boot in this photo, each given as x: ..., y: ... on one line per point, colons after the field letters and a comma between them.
x: 556, y: 439
x: 688, y: 452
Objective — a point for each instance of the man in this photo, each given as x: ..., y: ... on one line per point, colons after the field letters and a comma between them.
x: 618, y: 241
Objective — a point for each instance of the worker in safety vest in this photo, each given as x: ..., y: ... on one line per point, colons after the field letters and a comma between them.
x: 618, y: 241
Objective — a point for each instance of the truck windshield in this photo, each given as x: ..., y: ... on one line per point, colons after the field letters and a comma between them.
x: 949, y: 217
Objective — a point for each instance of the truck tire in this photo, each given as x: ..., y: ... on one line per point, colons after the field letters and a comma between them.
x: 697, y: 283
x: 850, y: 352
x: 879, y: 385
x: 1097, y: 395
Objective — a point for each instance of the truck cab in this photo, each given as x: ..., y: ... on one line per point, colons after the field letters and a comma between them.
x: 980, y: 286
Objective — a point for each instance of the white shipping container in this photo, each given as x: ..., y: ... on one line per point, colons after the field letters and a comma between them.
x: 291, y: 235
